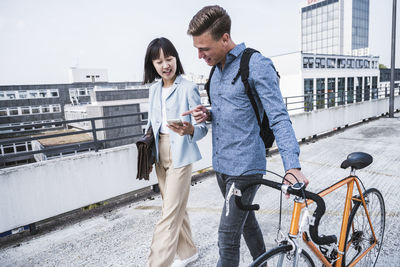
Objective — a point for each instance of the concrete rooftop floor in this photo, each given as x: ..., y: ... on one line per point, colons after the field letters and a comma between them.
x: 121, y: 236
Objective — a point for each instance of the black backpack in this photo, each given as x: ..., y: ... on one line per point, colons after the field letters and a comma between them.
x: 265, y: 131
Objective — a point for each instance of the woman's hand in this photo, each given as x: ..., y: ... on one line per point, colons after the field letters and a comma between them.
x: 186, y: 128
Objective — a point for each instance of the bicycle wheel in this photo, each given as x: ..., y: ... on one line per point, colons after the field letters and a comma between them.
x: 281, y: 257
x: 359, y: 235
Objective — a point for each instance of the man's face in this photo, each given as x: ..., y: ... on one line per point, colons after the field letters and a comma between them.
x: 212, y: 51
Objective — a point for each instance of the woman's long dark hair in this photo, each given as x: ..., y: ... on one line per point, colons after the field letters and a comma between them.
x: 153, y: 52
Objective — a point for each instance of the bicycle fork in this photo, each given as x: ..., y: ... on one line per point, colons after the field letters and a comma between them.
x: 296, y: 229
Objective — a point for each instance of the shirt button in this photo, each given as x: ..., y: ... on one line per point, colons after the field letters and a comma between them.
x: 218, y: 109
x: 217, y: 123
x: 216, y: 153
x: 217, y: 138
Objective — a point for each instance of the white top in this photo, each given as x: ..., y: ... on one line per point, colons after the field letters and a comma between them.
x: 165, y: 91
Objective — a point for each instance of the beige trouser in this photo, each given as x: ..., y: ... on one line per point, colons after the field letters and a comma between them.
x: 172, y: 234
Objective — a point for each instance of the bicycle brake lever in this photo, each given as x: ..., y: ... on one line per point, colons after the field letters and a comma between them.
x: 232, y: 191
x: 228, y: 197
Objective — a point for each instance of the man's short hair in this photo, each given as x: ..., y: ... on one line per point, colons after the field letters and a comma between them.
x: 210, y: 18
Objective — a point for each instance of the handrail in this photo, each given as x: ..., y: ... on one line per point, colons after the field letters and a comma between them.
x: 95, y: 144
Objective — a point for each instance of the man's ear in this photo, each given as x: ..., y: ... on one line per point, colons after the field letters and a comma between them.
x: 225, y: 39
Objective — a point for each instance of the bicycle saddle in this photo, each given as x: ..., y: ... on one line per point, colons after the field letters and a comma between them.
x: 357, y: 160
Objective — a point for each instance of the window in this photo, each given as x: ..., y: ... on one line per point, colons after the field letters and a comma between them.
x: 341, y: 92
x: 13, y: 111
x: 320, y: 93
x: 10, y: 95
x: 374, y: 90
x: 331, y: 92
x: 8, y: 149
x: 23, y: 94
x: 308, y: 62
x: 82, y: 91
x: 341, y: 63
x: 318, y: 62
x: 42, y: 93
x: 45, y: 109
x: 305, y: 62
x: 350, y: 63
x: 330, y: 63
x: 308, y: 94
x: 54, y: 92
x: 33, y: 94
x: 359, y: 89
x: 322, y: 62
x: 25, y: 110
x: 87, y: 76
x: 20, y: 147
x: 350, y: 90
x: 366, y: 88
x: 3, y: 112
x: 56, y: 108
x: 35, y: 110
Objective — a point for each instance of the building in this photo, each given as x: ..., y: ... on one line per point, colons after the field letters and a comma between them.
x: 384, y: 80
x: 23, y: 105
x: 80, y: 75
x: 335, y: 27
x: 327, y: 80
x: 111, y: 102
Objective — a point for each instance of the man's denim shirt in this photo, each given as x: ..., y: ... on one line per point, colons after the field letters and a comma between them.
x: 237, y: 146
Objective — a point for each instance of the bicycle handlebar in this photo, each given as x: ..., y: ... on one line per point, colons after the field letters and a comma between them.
x: 318, y: 213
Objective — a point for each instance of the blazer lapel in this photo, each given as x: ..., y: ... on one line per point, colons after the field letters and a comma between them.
x: 177, y: 81
x: 157, y: 99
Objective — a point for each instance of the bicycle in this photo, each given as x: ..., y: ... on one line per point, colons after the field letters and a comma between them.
x: 362, y: 228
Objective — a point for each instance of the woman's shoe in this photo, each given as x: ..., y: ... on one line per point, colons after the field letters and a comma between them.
x: 183, y: 263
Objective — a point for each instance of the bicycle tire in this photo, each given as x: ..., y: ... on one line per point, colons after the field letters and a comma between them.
x: 361, y: 236
x: 282, y: 253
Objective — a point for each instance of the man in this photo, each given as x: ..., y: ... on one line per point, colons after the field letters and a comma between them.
x: 238, y: 150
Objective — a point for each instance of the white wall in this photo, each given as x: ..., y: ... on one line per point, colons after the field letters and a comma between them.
x: 31, y: 193
x: 289, y: 67
x: 78, y: 75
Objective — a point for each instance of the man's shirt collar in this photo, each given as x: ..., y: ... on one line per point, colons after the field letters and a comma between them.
x: 235, y: 52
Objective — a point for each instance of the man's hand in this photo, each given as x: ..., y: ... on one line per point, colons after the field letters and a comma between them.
x: 186, y: 128
x: 290, y: 178
x: 199, y: 113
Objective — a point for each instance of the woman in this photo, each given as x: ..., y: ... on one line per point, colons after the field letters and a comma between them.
x: 176, y: 150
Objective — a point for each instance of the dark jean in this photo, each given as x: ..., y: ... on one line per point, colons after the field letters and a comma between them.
x: 237, y: 222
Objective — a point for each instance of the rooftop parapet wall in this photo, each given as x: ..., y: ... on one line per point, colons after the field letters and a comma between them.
x: 31, y: 193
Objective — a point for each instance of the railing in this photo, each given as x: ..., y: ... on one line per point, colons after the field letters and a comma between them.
x: 96, y: 144
x: 310, y: 102
x: 294, y: 104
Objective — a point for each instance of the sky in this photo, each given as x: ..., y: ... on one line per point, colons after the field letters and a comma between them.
x: 41, y: 39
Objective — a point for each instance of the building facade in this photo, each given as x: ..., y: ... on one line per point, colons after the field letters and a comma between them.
x: 327, y: 80
x: 28, y: 104
x: 335, y: 27
x: 385, y: 75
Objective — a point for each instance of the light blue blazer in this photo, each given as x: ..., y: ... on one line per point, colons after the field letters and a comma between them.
x: 183, y: 97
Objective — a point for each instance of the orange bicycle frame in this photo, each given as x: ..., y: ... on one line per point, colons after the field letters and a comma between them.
x: 298, y: 206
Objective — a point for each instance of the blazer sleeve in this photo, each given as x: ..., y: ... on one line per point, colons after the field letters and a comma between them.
x: 200, y: 129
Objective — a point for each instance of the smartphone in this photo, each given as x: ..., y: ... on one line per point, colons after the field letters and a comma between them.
x: 175, y: 121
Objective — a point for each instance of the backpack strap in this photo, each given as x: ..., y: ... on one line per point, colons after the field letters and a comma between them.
x: 207, y: 85
x: 244, y: 73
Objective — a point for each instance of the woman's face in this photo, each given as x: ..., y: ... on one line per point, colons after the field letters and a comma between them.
x: 166, y: 68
